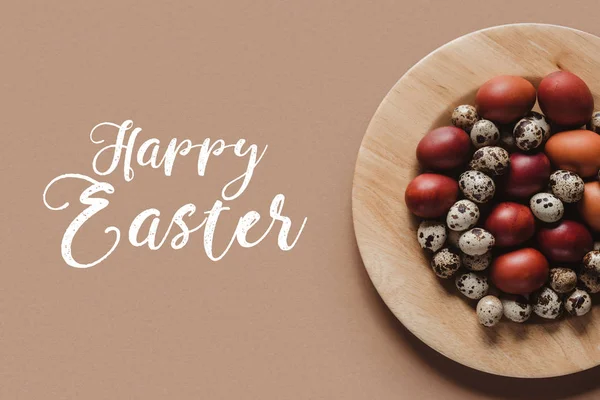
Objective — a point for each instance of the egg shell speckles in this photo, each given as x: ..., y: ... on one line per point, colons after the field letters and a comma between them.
x: 476, y: 263
x: 589, y: 280
x: 546, y: 207
x: 477, y: 186
x: 464, y: 117
x: 484, y: 133
x: 562, y: 280
x: 463, y: 215
x: 591, y: 261
x: 472, y: 285
x: 578, y: 303
x: 547, y: 303
x: 542, y: 122
x: 594, y: 124
x: 489, y: 310
x: 445, y: 263
x: 528, y: 135
x: 491, y: 160
x: 431, y: 235
x: 476, y: 242
x: 567, y: 186
x: 516, y: 308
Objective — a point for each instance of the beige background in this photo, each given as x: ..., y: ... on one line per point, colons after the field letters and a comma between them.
x: 304, y: 79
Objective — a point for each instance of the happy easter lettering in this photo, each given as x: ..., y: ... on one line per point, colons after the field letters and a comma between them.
x: 126, y: 154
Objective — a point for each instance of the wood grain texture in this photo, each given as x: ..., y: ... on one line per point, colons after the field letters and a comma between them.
x: 386, y: 232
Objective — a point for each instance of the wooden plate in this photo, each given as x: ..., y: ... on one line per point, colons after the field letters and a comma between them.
x: 386, y: 233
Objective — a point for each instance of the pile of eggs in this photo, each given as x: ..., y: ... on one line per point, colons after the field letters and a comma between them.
x: 510, y: 199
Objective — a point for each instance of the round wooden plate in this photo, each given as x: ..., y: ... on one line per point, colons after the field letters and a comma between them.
x: 386, y: 233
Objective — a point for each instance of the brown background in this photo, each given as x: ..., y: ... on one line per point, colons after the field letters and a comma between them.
x: 304, y: 79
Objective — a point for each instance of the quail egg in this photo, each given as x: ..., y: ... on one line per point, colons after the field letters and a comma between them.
x: 547, y: 303
x: 594, y: 124
x: 562, y: 280
x: 472, y: 285
x: 516, y: 308
x: 489, y: 310
x: 477, y: 186
x: 484, y: 133
x: 578, y: 303
x: 464, y: 116
x: 528, y: 134
x: 463, y: 215
x: 476, y: 242
x: 445, y: 262
x: 547, y: 207
x: 491, y: 160
x: 567, y: 186
x: 591, y: 261
x: 590, y: 281
x: 476, y: 263
x: 596, y: 245
x: 542, y: 122
x: 431, y: 235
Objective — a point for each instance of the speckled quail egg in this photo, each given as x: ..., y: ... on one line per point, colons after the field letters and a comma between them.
x: 562, y: 280
x: 453, y: 237
x: 476, y: 263
x: 445, y: 262
x: 516, y: 308
x: 431, y: 235
x: 594, y: 124
x: 463, y: 215
x: 507, y: 140
x: 567, y: 186
x: 596, y: 245
x: 591, y: 261
x: 589, y: 280
x: 472, y: 285
x: 476, y: 242
x: 484, y: 133
x: 489, y: 310
x: 542, y: 122
x: 578, y: 303
x: 547, y: 303
x: 477, y: 186
x: 464, y: 117
x: 528, y: 135
x: 547, y: 207
x: 491, y: 160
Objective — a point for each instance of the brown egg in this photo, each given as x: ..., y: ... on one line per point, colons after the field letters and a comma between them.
x: 589, y: 206
x: 527, y: 175
x: 565, y: 99
x: 431, y: 195
x: 511, y: 224
x: 567, y: 241
x: 577, y: 151
x: 520, y: 272
x: 443, y: 148
x: 505, y: 98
